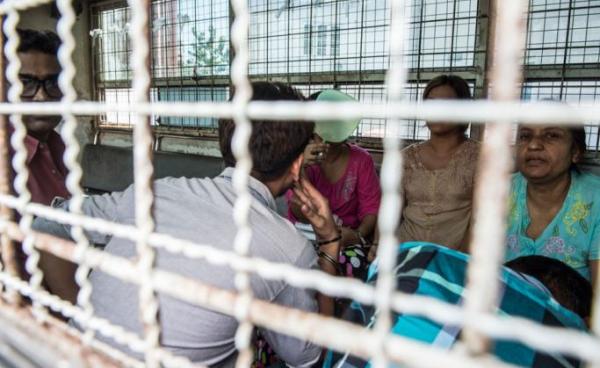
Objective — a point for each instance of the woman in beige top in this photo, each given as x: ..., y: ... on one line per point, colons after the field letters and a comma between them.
x: 439, y: 176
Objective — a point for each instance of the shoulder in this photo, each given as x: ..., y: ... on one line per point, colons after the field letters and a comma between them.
x: 276, y: 238
x: 409, y: 153
x: 472, y: 146
x: 360, y: 155
x: 470, y: 151
x: 358, y: 151
x: 589, y: 180
x: 412, y: 148
x: 588, y: 184
x: 55, y: 141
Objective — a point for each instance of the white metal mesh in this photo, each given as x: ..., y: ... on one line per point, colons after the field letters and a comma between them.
x: 377, y: 344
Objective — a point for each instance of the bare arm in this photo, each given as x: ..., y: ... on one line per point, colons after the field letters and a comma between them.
x: 59, y: 276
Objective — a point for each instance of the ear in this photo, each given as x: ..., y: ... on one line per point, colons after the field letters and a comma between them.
x: 576, y: 155
x: 296, y: 167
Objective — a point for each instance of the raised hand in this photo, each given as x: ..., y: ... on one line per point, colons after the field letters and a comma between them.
x: 315, y: 152
x: 315, y: 209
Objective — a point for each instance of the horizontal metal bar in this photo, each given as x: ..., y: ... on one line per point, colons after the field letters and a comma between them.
x: 478, y: 111
x: 8, y: 5
x: 493, y: 326
x: 348, y: 337
x: 43, y: 345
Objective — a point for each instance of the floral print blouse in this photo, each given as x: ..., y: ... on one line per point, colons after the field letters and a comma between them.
x: 573, y: 236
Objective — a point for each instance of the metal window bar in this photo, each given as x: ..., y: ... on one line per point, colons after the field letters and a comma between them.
x: 377, y: 344
x: 428, y: 58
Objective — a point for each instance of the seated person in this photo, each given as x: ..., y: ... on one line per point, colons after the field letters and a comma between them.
x: 201, y: 210
x: 39, y: 72
x: 435, y: 271
x: 38, y: 54
x: 439, y: 176
x: 554, y: 207
x: 345, y: 174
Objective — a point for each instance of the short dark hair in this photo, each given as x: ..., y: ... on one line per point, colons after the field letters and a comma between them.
x: 459, y: 85
x: 274, y: 144
x: 46, y: 42
x: 567, y: 286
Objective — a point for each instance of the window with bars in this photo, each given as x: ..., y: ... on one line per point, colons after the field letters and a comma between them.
x: 316, y: 44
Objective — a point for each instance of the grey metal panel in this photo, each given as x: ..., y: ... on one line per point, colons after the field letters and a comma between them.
x: 108, y: 169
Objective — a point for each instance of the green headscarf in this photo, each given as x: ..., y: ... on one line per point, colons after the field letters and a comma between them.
x: 335, y: 131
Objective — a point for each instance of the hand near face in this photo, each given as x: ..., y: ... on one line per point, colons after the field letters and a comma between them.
x: 315, y: 152
x: 315, y: 209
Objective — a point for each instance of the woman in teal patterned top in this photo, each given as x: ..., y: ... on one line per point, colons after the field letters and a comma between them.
x: 555, y: 208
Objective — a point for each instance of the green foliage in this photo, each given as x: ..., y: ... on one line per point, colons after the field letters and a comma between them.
x: 210, y: 55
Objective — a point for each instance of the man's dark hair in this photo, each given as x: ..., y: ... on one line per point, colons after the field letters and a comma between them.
x: 46, y: 42
x: 274, y: 144
x: 567, y: 286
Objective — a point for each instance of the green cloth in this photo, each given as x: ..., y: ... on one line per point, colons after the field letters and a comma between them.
x: 335, y: 131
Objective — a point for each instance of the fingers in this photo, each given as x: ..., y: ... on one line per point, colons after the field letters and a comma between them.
x: 303, y: 200
x: 315, y: 196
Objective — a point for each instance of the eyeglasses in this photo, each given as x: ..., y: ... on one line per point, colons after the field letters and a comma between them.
x: 31, y: 86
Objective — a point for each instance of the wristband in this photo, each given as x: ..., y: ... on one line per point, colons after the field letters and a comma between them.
x: 328, y: 258
x: 325, y: 242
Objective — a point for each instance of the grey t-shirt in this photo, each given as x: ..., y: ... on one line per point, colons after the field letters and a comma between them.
x: 201, y: 210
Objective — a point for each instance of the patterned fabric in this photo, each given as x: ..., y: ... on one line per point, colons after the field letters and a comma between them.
x: 572, y: 237
x: 438, y: 202
x: 439, y: 272
x: 353, y: 262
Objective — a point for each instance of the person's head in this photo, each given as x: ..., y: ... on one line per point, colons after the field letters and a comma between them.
x: 547, y: 152
x: 567, y: 286
x: 39, y: 72
x: 447, y: 87
x: 334, y: 132
x: 276, y: 146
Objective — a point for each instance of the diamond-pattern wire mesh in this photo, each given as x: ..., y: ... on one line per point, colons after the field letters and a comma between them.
x: 379, y: 345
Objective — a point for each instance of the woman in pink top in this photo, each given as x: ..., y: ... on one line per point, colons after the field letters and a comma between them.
x: 345, y: 174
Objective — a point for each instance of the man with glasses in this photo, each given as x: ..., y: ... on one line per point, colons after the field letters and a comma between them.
x: 39, y: 74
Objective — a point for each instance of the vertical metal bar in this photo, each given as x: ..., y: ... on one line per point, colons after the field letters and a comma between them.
x: 391, y: 179
x: 566, y: 50
x: 143, y: 172
x: 335, y: 32
x: 492, y: 189
x: 452, y: 34
x: 419, y: 54
x: 310, y: 45
x: 7, y: 251
x: 241, y: 176
x: 67, y: 75
x: 19, y: 160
